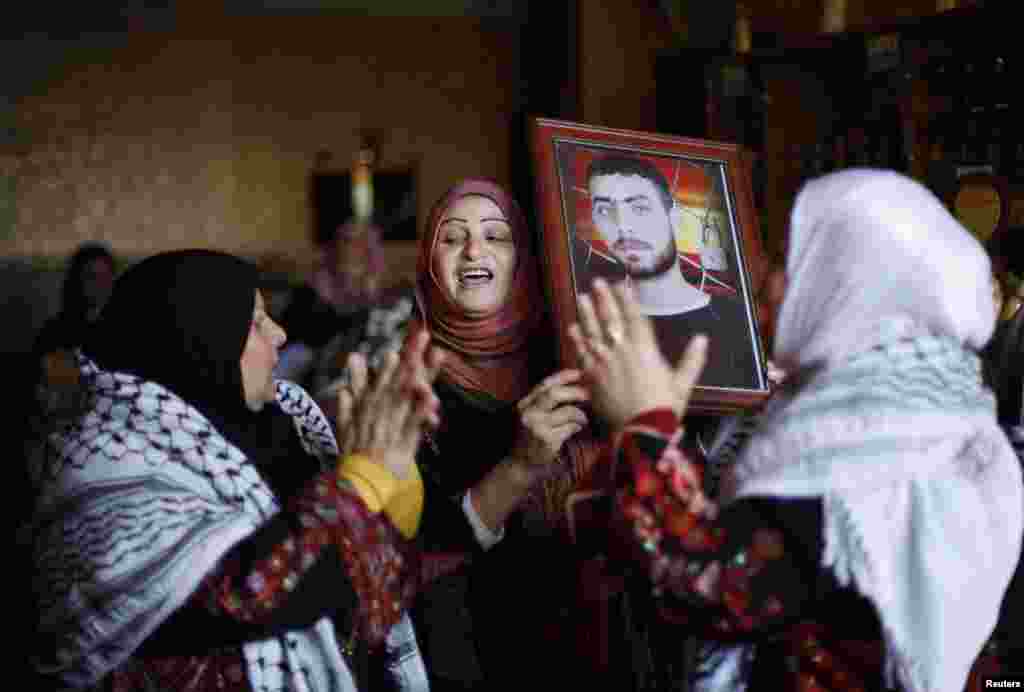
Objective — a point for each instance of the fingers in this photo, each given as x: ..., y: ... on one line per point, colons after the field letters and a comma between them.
x: 434, y: 361
x: 419, y: 391
x: 380, y: 406
x: 551, y: 428
x: 538, y: 421
x: 555, y: 398
x: 421, y: 413
x: 418, y: 375
x: 590, y: 341
x: 426, y: 412
x: 389, y: 378
x: 608, y: 312
x: 357, y: 374
x: 636, y: 326
x: 583, y: 354
x: 344, y: 416
x: 591, y: 344
x: 559, y: 379
x: 543, y: 435
x: 561, y: 433
x: 423, y: 364
x: 565, y: 415
x: 589, y: 325
x: 349, y: 400
x: 416, y: 346
x: 689, y: 369
x: 383, y: 415
x: 632, y: 318
x: 394, y: 398
x: 607, y: 320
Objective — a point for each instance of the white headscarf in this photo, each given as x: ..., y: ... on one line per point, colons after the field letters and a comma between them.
x: 886, y: 420
x: 865, y: 244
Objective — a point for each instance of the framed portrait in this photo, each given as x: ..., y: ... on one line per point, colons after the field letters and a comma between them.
x: 672, y: 216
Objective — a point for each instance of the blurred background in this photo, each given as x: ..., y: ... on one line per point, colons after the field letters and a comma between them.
x: 152, y: 124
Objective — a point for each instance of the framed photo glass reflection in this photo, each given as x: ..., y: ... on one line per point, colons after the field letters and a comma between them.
x: 674, y: 218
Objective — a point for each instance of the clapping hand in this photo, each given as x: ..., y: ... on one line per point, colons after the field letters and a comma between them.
x: 384, y: 419
x: 622, y: 365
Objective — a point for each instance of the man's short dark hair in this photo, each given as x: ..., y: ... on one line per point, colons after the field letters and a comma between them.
x: 617, y: 164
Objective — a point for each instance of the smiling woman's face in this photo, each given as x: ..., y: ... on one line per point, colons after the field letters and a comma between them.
x: 474, y: 257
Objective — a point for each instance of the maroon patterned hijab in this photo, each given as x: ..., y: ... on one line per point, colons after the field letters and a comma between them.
x: 490, y: 353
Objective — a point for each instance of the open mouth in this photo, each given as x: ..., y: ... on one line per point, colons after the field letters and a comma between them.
x: 475, y: 276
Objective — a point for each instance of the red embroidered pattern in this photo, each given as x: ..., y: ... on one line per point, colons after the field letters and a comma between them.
x: 222, y: 671
x: 377, y: 558
x: 381, y: 566
x: 680, y: 538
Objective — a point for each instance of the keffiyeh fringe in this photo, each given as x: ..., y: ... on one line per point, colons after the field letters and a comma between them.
x: 140, y: 498
x: 921, y: 495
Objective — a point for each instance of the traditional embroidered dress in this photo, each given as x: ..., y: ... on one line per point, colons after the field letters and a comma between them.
x: 169, y: 551
x: 878, y: 475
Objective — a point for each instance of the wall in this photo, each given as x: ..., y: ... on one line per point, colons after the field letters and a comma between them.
x: 206, y: 134
x: 618, y: 43
x: 797, y: 112
x: 797, y: 18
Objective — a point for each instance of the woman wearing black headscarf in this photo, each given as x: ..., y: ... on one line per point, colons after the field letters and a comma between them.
x: 196, y: 527
x: 87, y: 284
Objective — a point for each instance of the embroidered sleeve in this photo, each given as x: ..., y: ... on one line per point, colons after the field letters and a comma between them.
x: 326, y: 520
x: 736, y: 572
x: 381, y: 490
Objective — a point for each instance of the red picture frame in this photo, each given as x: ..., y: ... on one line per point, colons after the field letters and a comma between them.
x: 701, y: 203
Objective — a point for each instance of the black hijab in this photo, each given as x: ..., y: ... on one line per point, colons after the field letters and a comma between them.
x: 182, y: 319
x: 74, y: 302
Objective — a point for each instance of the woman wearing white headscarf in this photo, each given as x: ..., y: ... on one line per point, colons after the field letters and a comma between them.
x: 878, y: 485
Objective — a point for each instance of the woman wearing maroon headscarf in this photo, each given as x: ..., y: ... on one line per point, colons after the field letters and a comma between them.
x: 505, y: 456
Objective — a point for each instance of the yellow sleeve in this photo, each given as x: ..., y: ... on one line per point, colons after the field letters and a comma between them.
x: 380, y: 489
x: 406, y: 506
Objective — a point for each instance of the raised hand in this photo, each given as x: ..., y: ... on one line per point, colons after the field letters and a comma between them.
x: 384, y: 419
x: 622, y: 365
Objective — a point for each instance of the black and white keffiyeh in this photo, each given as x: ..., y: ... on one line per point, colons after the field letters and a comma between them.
x: 141, y: 498
x: 147, y: 486
x: 885, y: 418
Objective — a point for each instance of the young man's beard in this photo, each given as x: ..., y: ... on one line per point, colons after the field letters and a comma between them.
x: 664, y: 262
